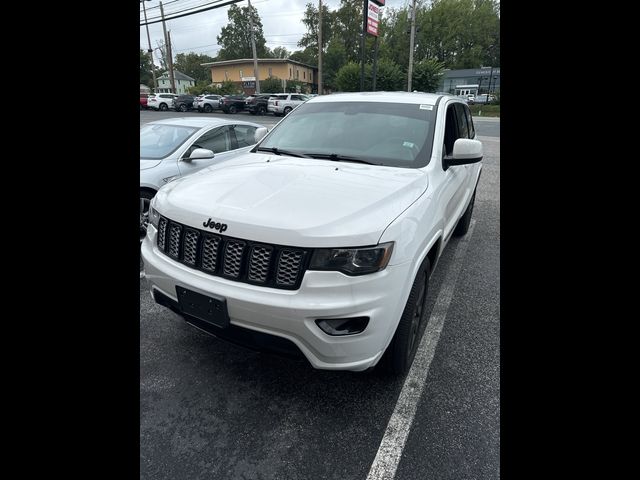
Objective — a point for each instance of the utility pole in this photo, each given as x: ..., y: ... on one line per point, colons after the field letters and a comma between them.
x: 171, y: 76
x: 411, y: 44
x: 320, y: 50
x: 364, y: 34
x: 150, y: 51
x: 253, y: 47
x: 167, y: 46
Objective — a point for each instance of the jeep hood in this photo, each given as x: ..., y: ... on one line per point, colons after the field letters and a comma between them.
x: 294, y: 201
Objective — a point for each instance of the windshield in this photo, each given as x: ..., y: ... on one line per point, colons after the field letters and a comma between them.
x: 393, y: 134
x: 158, y: 141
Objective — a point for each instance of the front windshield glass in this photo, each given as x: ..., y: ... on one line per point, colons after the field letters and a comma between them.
x: 393, y: 134
x: 159, y: 141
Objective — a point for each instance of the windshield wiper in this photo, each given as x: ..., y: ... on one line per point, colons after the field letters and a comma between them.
x: 279, y: 151
x: 334, y: 157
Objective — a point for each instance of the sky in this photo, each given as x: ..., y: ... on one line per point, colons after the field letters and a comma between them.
x: 281, y: 23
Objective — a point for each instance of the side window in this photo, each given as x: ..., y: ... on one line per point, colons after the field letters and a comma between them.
x: 463, y: 129
x: 472, y: 130
x: 245, y: 135
x: 218, y: 140
x: 450, y: 130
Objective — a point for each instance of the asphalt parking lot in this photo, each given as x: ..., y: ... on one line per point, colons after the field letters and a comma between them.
x: 210, y: 410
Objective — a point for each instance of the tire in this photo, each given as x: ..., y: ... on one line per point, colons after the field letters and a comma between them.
x: 261, y: 110
x: 463, y: 224
x: 233, y: 109
x: 207, y: 108
x: 183, y: 107
x: 286, y: 110
x: 400, y: 353
x: 145, y: 200
x: 163, y: 107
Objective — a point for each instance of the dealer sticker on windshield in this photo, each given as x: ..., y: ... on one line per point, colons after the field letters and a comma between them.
x: 426, y: 107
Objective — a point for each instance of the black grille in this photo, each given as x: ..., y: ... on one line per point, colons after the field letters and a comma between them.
x: 233, y: 258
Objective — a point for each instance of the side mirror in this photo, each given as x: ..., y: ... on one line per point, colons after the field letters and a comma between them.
x: 200, y: 154
x: 465, y: 151
x: 260, y: 133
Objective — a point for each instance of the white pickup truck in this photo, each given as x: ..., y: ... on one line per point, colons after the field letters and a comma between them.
x: 321, y: 240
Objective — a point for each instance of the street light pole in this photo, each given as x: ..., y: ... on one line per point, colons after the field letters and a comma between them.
x: 150, y: 51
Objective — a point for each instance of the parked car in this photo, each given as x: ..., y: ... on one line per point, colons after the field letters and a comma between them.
x: 183, y: 103
x: 232, y: 103
x: 208, y: 103
x: 257, y: 104
x: 282, y: 103
x: 144, y: 97
x: 483, y: 98
x: 321, y: 239
x: 176, y: 147
x: 161, y: 101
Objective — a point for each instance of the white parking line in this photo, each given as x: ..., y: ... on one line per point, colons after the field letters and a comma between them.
x: 395, y: 436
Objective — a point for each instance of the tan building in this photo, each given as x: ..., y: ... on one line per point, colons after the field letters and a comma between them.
x: 241, y: 72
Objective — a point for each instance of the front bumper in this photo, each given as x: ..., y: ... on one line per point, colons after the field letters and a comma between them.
x: 291, y: 314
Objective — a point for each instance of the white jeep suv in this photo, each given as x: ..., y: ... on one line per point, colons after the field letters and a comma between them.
x: 161, y: 101
x: 322, y: 238
x: 282, y: 103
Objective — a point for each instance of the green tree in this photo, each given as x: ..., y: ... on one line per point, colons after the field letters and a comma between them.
x: 235, y: 37
x: 280, y: 52
x: 460, y: 33
x: 146, y: 76
x: 333, y: 60
x: 426, y: 75
x: 189, y: 64
x: 394, y: 37
x: 348, y: 27
x: 271, y: 85
x: 310, y: 20
x: 308, y: 56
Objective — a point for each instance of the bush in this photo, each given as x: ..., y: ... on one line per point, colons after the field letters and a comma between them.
x: 426, y: 75
x: 389, y: 77
x: 271, y: 85
x: 348, y: 77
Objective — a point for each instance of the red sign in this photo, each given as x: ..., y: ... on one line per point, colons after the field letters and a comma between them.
x: 373, y: 12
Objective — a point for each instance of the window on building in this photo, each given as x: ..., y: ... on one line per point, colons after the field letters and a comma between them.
x: 304, y: 75
x: 270, y: 72
x: 289, y: 72
x: 241, y: 75
x: 297, y: 74
x: 226, y: 75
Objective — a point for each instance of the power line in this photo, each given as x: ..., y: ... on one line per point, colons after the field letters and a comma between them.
x: 218, y: 5
x: 187, y: 9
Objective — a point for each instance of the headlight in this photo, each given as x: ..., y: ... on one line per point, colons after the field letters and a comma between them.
x: 154, y: 216
x: 352, y: 261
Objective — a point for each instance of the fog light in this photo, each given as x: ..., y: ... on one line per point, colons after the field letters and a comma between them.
x: 342, y: 326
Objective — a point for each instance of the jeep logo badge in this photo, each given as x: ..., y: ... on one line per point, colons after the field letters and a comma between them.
x: 221, y: 227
